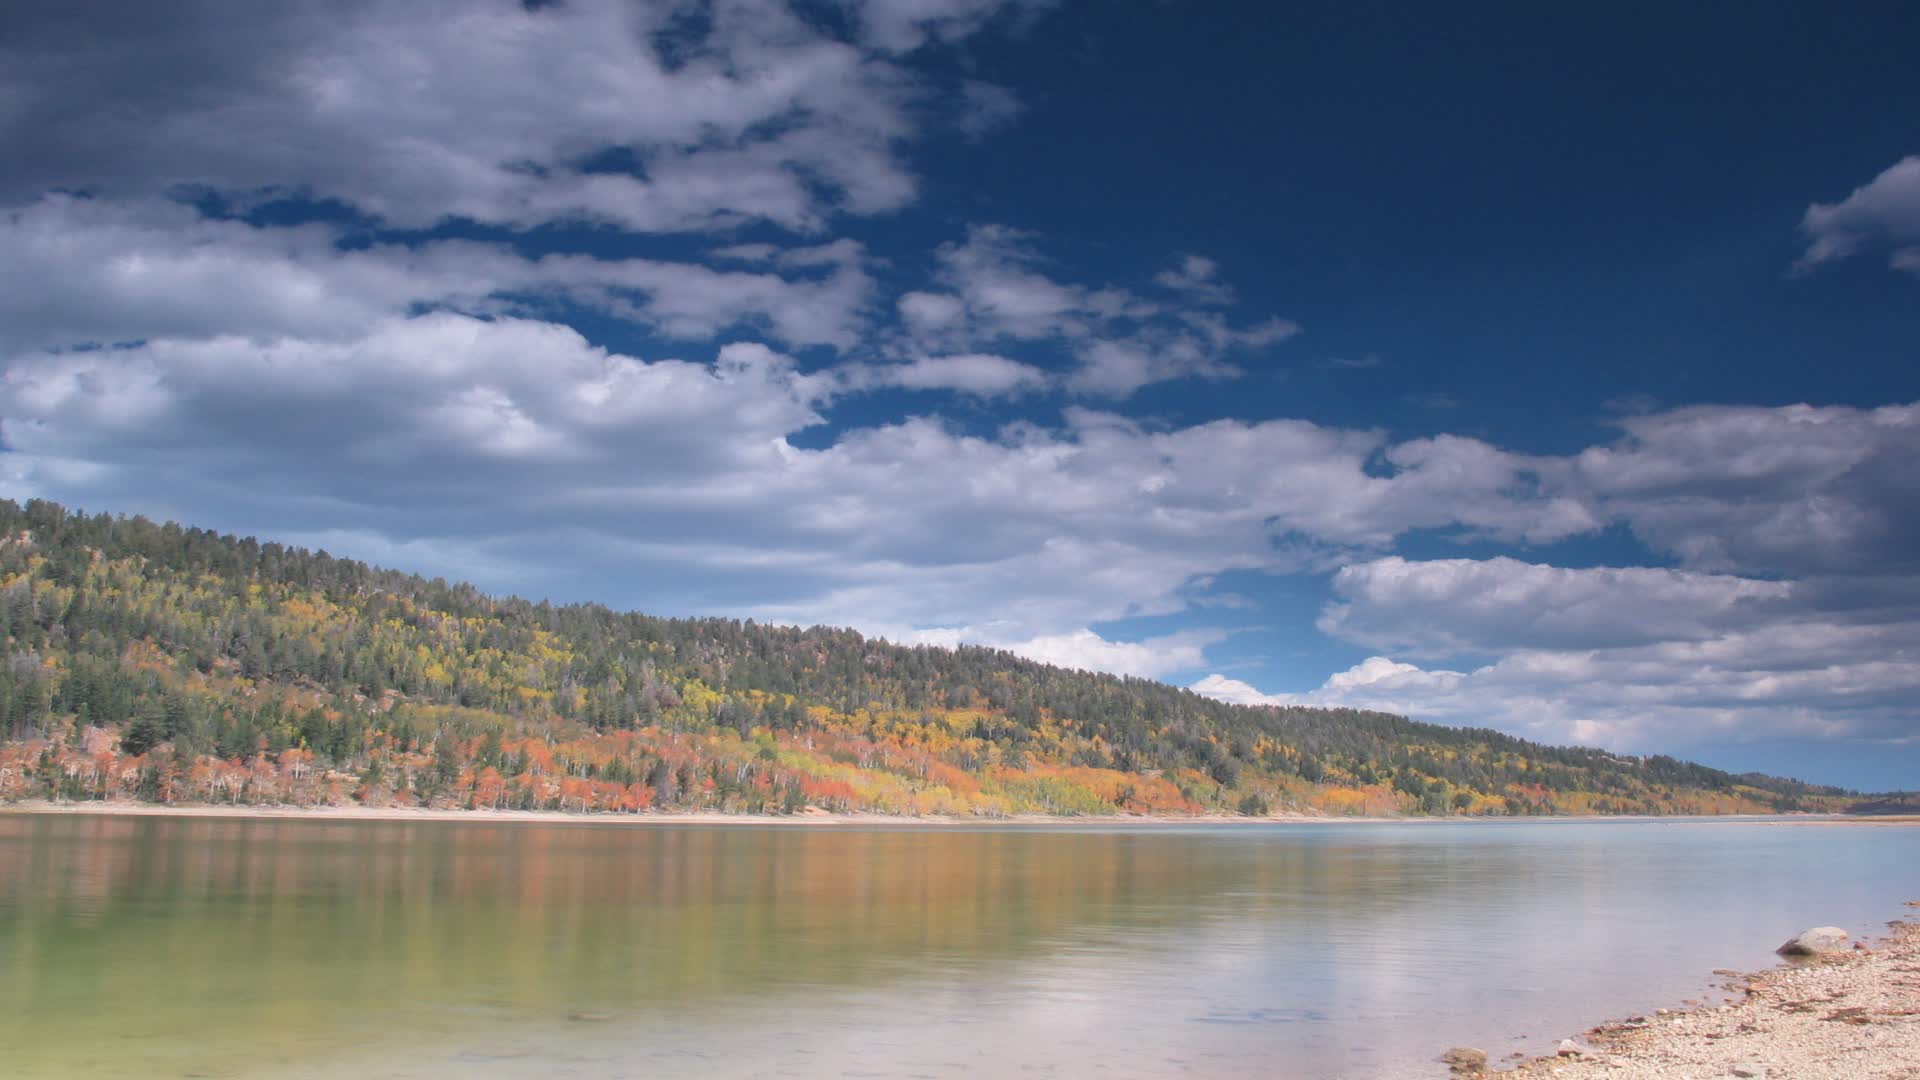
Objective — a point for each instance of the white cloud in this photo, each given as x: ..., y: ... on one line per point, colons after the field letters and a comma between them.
x: 986, y: 108
x: 1796, y: 489
x: 419, y: 110
x: 1887, y: 207
x: 94, y: 271
x: 1663, y: 697
x: 1199, y: 278
x: 931, y: 316
x: 995, y: 290
x: 441, y: 397
x: 995, y: 282
x: 905, y: 25
x: 1151, y: 658
x: 979, y: 374
x: 1450, y: 606
x: 1377, y: 674
x: 1374, y: 683
x: 1630, y: 658
x: 477, y: 559
x: 1115, y: 369
x: 1086, y: 650
x: 694, y: 303
x: 1236, y: 692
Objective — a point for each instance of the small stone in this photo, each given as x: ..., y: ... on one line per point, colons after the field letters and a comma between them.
x: 1745, y: 1070
x: 1569, y: 1048
x: 1465, y: 1059
x: 1820, y: 939
x: 587, y: 1017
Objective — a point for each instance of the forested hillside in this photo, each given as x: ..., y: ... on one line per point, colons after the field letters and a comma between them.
x: 172, y: 664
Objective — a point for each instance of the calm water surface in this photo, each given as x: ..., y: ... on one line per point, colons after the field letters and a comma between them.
x: 161, y: 947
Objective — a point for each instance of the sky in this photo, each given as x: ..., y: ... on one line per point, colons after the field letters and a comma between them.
x: 1548, y: 368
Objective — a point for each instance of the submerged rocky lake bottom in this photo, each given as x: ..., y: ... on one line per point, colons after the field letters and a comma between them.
x: 282, y: 948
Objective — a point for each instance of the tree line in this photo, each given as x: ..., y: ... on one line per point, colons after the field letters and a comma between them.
x: 156, y: 661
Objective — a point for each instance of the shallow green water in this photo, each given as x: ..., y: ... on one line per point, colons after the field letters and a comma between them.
x: 157, y: 947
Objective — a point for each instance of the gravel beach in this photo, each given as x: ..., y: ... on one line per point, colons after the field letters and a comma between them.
x: 1852, y: 1015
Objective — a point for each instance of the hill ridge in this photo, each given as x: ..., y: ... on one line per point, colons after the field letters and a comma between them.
x: 176, y: 664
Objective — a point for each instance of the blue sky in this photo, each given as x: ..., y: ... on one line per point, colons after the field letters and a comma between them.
x: 1545, y: 369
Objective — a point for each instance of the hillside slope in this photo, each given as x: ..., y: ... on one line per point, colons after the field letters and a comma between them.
x: 173, y: 664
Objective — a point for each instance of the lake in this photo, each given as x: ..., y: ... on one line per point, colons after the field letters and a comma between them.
x: 280, y: 948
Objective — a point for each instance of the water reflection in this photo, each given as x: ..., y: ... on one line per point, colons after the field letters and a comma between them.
x: 170, y: 946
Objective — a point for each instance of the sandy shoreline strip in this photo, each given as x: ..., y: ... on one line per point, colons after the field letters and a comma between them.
x: 1851, y: 1015
x: 817, y: 818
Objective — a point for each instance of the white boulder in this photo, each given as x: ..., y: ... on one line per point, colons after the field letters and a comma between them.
x: 1820, y: 939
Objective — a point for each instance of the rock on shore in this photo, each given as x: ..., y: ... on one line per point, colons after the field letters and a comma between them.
x: 1820, y: 939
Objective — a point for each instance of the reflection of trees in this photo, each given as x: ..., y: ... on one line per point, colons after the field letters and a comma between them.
x: 262, y: 939
x: 227, y: 932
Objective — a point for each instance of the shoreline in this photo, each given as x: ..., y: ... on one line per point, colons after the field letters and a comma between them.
x: 648, y: 819
x: 1841, y: 1015
x: 822, y: 818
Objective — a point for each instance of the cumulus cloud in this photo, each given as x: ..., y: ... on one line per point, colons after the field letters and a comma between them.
x: 905, y: 25
x: 1151, y: 658
x: 688, y: 474
x: 979, y: 374
x: 998, y: 291
x: 1794, y: 612
x: 437, y: 403
x: 1797, y: 489
x: 1884, y: 210
x: 95, y: 271
x: 1374, y: 683
x: 986, y: 108
x: 995, y: 289
x: 931, y: 316
x: 99, y: 271
x: 1087, y: 650
x: 1452, y: 606
x: 1660, y: 697
x: 1114, y: 369
x: 815, y: 297
x: 1631, y: 658
x: 652, y: 116
x: 1198, y: 277
x: 1237, y: 692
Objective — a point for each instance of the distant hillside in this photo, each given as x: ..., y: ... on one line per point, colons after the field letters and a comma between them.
x: 172, y: 664
x: 1898, y: 803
